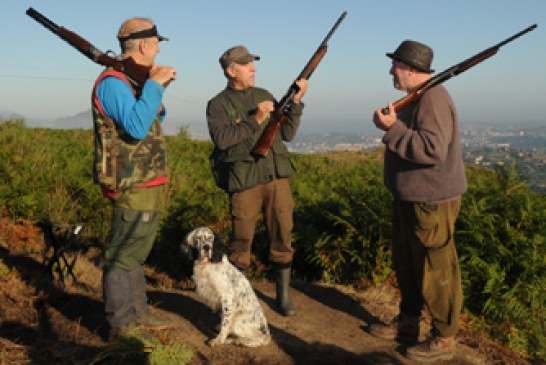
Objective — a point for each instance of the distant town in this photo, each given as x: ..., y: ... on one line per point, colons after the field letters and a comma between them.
x: 483, y: 145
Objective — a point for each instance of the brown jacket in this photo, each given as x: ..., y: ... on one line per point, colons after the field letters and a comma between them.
x: 423, y: 157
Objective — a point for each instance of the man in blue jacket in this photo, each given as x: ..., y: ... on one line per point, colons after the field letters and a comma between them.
x: 130, y: 168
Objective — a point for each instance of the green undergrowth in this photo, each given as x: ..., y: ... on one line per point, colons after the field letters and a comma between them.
x: 342, y: 220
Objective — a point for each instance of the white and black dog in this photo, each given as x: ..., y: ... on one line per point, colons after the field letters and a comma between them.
x: 225, y: 288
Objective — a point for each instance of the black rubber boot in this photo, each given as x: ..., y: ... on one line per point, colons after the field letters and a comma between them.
x: 282, y: 278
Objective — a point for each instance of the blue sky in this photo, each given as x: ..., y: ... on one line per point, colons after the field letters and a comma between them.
x: 44, y: 77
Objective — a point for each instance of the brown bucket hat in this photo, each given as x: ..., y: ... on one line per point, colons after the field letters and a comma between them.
x: 414, y: 54
x: 237, y: 54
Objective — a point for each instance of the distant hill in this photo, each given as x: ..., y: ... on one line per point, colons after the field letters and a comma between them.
x: 82, y: 120
x: 8, y: 114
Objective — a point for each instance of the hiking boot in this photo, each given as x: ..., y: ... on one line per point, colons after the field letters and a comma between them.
x: 403, y: 328
x: 132, y: 331
x: 119, y: 333
x: 153, y: 322
x: 435, y: 348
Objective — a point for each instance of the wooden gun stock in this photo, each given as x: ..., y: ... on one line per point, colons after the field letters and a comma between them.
x: 278, y: 117
x: 454, y: 71
x: 268, y: 136
x: 137, y: 73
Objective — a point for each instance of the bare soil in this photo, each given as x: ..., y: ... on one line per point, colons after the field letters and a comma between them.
x: 42, y: 322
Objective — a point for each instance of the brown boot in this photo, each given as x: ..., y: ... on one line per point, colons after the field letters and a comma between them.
x: 132, y: 331
x: 119, y: 333
x: 403, y: 328
x: 152, y: 321
x: 435, y: 348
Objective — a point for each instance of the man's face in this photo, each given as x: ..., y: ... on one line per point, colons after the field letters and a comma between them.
x: 401, y: 74
x: 150, y: 49
x: 243, y: 76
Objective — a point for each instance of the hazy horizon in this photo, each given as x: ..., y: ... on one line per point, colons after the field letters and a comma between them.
x: 43, y: 77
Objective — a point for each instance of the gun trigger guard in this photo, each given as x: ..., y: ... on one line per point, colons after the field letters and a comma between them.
x: 111, y: 54
x: 287, y: 107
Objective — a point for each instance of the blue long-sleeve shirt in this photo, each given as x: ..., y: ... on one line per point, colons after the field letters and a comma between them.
x: 134, y: 115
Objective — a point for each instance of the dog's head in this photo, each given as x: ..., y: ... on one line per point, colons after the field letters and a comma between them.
x: 202, y: 246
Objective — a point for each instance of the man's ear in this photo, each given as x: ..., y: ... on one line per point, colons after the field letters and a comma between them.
x: 230, y: 70
x: 143, y: 45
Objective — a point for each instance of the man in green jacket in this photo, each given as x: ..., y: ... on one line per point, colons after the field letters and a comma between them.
x: 256, y: 185
x: 424, y: 171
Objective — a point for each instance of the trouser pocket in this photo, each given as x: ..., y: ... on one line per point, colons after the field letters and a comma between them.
x: 133, y: 234
x: 435, y: 223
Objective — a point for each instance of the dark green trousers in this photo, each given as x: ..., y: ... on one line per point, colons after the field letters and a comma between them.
x: 135, y: 220
x: 132, y: 237
x: 426, y: 262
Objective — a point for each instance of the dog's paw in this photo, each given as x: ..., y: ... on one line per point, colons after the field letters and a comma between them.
x: 215, y: 342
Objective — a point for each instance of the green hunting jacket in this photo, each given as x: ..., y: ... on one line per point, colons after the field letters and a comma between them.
x: 234, y: 132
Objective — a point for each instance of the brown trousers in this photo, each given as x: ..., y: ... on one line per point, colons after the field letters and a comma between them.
x: 426, y: 262
x: 273, y: 200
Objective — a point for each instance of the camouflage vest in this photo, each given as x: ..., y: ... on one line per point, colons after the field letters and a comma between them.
x: 236, y: 168
x: 121, y: 161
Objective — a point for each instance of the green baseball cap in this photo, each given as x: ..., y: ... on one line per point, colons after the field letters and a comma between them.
x: 238, y: 54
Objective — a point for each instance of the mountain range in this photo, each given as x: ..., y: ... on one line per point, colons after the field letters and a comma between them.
x: 82, y: 120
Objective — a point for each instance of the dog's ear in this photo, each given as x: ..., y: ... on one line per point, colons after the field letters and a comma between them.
x: 190, y: 238
x: 187, y: 248
x: 187, y: 251
x: 217, y: 250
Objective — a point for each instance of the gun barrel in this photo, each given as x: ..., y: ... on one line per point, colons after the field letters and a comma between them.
x: 42, y: 20
x: 334, y: 28
x: 517, y: 35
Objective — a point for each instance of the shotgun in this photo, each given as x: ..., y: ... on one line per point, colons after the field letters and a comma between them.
x: 454, y: 71
x: 279, y: 115
x: 137, y: 73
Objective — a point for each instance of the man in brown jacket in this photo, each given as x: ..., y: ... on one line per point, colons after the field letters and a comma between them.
x: 424, y: 171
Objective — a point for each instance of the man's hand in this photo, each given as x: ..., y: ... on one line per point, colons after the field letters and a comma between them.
x: 303, y: 84
x: 384, y: 121
x: 163, y: 74
x: 263, y: 110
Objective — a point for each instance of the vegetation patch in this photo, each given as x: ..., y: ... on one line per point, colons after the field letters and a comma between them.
x: 342, y: 221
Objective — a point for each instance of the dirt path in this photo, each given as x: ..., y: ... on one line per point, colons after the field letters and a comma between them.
x: 43, y: 324
x: 328, y: 329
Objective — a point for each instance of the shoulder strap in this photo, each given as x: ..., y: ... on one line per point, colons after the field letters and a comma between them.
x: 102, y: 76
